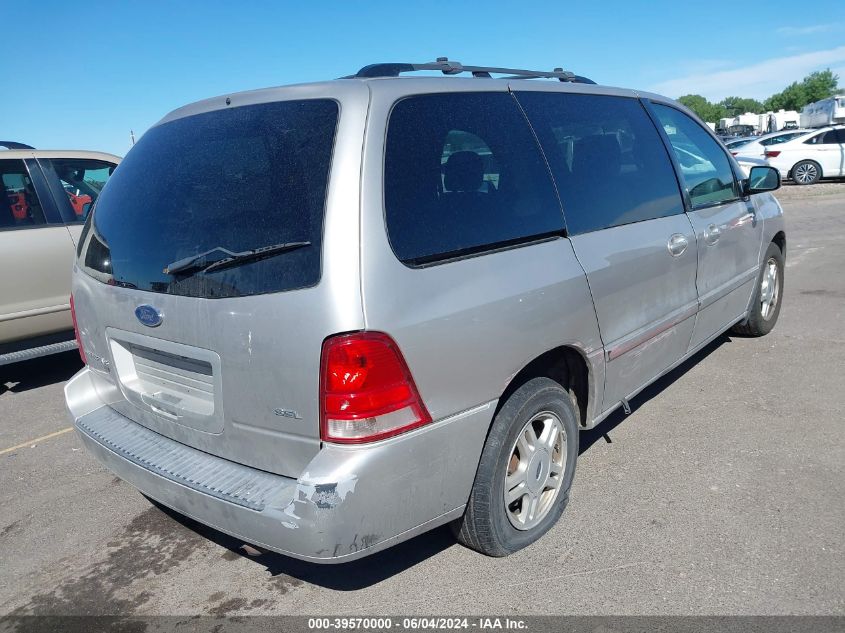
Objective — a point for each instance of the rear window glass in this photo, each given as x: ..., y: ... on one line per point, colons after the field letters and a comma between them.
x: 463, y: 174
x: 213, y: 187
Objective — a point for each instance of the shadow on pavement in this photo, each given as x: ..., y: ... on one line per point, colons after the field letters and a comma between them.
x: 39, y: 372
x: 349, y: 576
x: 590, y: 437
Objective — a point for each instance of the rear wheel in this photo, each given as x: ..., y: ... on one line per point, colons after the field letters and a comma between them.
x: 525, y: 472
x: 768, y: 296
x: 807, y: 172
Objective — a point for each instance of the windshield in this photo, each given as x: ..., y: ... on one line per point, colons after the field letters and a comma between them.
x: 245, y: 178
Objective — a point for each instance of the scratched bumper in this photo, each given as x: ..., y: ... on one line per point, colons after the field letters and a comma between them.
x: 349, y: 502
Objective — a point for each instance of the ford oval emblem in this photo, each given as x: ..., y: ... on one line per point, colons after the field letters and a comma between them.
x: 148, y: 315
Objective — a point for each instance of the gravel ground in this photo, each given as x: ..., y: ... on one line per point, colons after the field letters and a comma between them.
x: 791, y: 191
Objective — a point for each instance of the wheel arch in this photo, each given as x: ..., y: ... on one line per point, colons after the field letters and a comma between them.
x: 566, y: 365
x: 780, y: 239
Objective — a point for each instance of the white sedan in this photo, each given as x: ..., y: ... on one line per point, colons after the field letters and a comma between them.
x: 808, y: 158
x: 757, y: 147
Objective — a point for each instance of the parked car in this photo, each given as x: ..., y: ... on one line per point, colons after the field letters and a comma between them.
x: 46, y: 197
x: 736, y: 143
x: 810, y: 157
x: 741, y: 130
x: 756, y: 147
x: 328, y: 317
x: 746, y: 163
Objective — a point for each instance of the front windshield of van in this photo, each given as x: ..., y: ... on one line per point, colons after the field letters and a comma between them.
x: 227, y: 181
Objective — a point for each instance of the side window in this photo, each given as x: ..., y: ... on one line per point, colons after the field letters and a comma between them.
x: 19, y: 204
x: 81, y: 181
x: 462, y: 174
x: 838, y: 135
x: 706, y: 169
x: 608, y: 160
x: 825, y: 138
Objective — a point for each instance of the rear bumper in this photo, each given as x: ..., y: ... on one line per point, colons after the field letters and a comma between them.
x: 349, y: 502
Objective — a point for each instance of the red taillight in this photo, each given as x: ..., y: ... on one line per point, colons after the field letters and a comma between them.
x: 770, y: 153
x: 367, y: 392
x: 76, y: 332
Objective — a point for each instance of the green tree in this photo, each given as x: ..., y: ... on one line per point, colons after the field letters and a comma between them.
x: 698, y: 104
x: 814, y: 87
x: 820, y: 85
x: 719, y: 112
x: 705, y: 110
x: 740, y: 105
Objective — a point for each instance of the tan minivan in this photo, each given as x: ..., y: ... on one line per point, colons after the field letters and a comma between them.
x: 45, y: 199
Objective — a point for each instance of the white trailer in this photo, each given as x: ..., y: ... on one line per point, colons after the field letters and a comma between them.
x: 830, y: 111
x: 749, y: 118
x: 777, y: 121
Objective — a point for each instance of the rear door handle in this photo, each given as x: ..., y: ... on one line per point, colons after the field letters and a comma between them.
x: 712, y: 234
x: 677, y: 245
x: 160, y: 406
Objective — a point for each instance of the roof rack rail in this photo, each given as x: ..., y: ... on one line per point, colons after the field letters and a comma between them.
x: 14, y: 145
x: 447, y: 67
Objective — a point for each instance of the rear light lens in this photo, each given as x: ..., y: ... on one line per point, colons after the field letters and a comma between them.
x: 76, y: 333
x: 770, y: 153
x: 367, y: 392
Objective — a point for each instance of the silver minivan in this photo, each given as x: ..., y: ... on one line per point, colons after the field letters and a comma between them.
x: 325, y: 318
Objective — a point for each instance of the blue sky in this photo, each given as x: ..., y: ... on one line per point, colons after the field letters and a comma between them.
x: 81, y: 75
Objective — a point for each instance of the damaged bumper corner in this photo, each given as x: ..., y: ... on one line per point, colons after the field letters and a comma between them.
x: 351, y: 501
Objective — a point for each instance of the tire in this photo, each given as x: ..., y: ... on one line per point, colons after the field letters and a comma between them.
x: 489, y: 526
x: 768, y: 296
x: 806, y: 172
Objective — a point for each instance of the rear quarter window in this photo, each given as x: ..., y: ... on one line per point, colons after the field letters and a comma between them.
x: 236, y: 179
x: 463, y: 174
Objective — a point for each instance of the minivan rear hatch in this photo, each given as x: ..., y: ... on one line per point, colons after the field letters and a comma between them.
x: 201, y: 293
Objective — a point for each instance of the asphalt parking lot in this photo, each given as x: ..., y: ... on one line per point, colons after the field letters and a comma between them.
x: 722, y: 493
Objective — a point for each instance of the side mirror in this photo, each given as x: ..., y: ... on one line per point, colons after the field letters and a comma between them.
x: 762, y: 178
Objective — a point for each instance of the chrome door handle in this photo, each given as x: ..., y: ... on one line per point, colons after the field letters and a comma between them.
x: 712, y: 234
x: 677, y: 245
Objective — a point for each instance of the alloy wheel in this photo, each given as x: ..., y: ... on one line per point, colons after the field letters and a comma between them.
x: 769, y: 289
x: 535, y: 469
x: 806, y: 173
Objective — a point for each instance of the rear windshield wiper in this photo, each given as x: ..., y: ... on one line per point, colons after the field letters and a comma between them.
x: 199, y: 261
